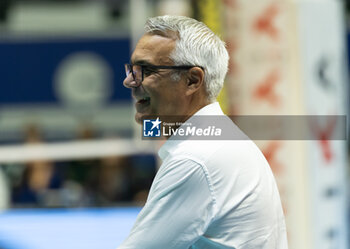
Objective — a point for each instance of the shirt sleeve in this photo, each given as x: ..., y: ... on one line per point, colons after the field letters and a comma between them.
x: 179, y: 208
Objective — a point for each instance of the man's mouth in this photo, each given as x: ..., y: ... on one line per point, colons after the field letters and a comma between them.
x: 144, y: 101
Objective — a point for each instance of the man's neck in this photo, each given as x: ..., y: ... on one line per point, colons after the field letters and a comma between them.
x: 173, y: 123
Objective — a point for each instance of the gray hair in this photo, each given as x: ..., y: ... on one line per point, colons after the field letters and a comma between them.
x: 195, y: 45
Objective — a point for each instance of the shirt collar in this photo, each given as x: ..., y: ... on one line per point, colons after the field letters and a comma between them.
x: 211, y: 109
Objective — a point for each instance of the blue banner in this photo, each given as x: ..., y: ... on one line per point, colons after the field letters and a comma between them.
x: 31, y: 70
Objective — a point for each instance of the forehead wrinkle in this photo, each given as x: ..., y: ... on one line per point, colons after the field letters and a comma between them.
x: 154, y: 49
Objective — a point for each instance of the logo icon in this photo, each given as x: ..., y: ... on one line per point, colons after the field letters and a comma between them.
x: 151, y: 127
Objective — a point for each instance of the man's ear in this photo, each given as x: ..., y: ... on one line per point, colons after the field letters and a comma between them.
x: 195, y: 80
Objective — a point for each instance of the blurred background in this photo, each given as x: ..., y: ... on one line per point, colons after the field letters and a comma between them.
x: 74, y: 172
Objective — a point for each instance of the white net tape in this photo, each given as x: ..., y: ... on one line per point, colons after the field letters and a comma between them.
x: 73, y: 150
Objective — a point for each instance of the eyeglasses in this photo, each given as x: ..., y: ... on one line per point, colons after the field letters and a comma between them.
x: 139, y: 71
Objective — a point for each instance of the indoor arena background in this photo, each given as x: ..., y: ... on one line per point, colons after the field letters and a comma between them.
x: 74, y: 171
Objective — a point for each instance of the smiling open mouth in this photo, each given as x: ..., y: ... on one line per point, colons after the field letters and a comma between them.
x: 144, y: 101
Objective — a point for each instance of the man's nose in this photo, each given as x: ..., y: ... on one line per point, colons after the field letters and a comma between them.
x: 129, y: 82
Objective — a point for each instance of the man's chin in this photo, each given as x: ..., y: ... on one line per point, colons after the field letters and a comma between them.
x: 139, y: 117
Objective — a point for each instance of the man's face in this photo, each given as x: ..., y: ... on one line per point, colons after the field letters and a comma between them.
x: 158, y: 94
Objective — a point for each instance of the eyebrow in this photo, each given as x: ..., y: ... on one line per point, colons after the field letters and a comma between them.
x: 142, y: 63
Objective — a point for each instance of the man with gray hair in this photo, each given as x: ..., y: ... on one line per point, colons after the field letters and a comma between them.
x: 206, y: 194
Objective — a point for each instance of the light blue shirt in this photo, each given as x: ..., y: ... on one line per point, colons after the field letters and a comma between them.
x: 211, y: 195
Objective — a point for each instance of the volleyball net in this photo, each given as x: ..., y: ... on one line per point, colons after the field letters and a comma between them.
x: 74, y: 150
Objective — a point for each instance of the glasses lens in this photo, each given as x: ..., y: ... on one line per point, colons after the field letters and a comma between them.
x: 127, y: 69
x: 135, y: 70
x: 137, y: 73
